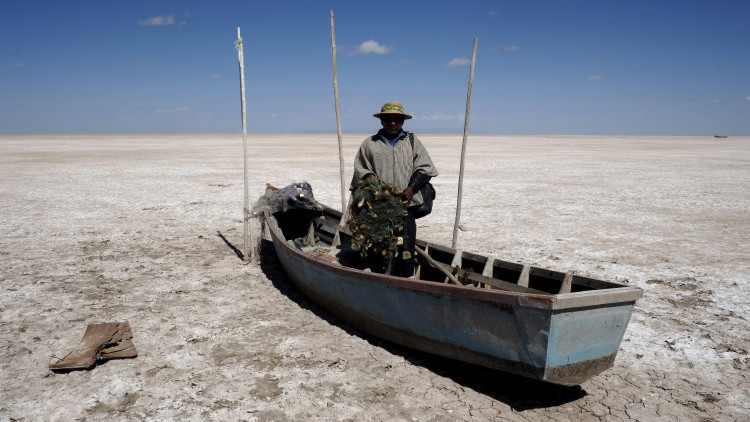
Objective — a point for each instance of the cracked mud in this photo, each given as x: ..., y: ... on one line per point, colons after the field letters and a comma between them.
x: 148, y: 229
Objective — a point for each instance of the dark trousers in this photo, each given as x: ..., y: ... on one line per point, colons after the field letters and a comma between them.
x: 405, y: 267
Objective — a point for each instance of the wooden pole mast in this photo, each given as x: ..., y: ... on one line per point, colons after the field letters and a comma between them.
x: 463, y: 147
x: 248, y: 250
x: 338, y: 120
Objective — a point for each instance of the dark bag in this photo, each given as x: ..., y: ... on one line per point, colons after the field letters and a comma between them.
x: 428, y: 193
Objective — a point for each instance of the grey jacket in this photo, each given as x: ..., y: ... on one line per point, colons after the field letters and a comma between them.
x: 393, y: 164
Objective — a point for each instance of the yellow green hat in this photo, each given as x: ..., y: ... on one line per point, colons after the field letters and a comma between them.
x: 392, y: 108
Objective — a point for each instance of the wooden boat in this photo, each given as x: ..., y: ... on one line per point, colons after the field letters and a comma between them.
x: 543, y: 324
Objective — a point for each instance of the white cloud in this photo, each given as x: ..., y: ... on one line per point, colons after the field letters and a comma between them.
x: 747, y: 98
x: 17, y: 64
x: 506, y: 48
x: 716, y: 101
x: 492, y: 13
x: 372, y: 46
x: 158, y: 21
x: 595, y: 78
x: 459, y: 61
x: 217, y: 76
x: 442, y: 117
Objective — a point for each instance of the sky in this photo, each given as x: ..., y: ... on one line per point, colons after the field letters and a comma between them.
x: 656, y: 67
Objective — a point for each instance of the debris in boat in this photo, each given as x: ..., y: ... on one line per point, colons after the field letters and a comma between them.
x: 111, y: 340
x: 300, y: 243
x: 325, y: 253
x: 294, y: 196
x: 321, y: 250
x: 377, y: 219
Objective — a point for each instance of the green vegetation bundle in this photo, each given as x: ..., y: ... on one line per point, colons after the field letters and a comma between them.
x: 377, y: 219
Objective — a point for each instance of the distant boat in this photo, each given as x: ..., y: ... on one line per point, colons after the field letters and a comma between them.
x: 720, y: 136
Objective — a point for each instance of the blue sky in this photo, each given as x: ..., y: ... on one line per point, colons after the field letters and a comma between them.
x: 658, y: 67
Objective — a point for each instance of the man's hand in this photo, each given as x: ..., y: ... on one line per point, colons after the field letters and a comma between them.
x: 371, y: 176
x: 408, y: 193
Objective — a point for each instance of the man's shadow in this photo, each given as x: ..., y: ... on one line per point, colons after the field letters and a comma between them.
x: 518, y: 392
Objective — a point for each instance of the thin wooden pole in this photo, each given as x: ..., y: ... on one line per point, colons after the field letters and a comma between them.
x: 249, y: 239
x: 338, y: 120
x: 463, y: 148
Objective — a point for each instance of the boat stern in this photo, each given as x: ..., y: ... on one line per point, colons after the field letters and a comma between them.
x: 584, y: 342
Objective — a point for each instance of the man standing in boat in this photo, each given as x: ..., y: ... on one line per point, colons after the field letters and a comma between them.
x: 398, y: 157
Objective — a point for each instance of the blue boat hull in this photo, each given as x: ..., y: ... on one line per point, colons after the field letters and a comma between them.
x: 561, y: 339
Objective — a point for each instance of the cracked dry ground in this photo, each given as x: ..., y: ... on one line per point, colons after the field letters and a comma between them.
x: 147, y: 229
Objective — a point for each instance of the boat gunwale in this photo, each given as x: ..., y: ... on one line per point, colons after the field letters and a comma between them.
x: 557, y: 302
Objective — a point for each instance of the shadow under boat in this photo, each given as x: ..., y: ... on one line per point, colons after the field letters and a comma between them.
x: 518, y: 392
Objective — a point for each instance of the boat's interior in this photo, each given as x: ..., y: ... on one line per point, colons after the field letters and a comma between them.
x: 320, y: 234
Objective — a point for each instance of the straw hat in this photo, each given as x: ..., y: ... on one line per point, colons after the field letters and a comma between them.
x: 392, y: 108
